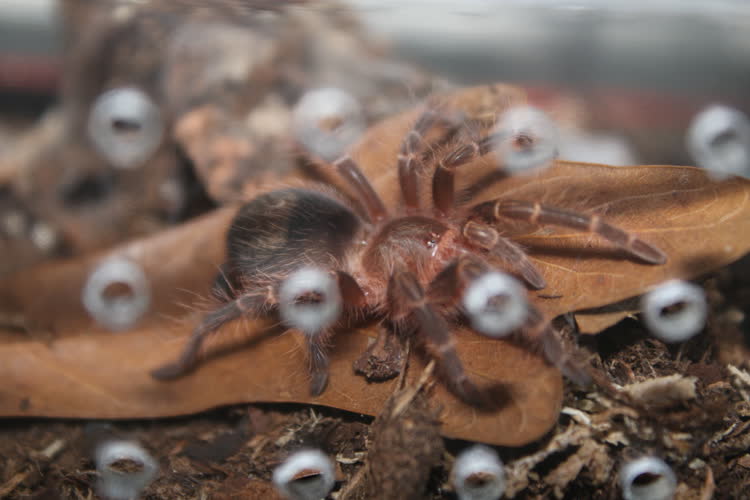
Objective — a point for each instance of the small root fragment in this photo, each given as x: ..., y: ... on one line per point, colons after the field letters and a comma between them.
x: 44, y: 458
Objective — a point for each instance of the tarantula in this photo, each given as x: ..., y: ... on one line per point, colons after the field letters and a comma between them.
x: 319, y: 254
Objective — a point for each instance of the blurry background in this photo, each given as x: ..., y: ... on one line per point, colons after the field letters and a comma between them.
x: 621, y: 79
x: 668, y: 45
x: 30, y: 45
x: 642, y: 68
x: 637, y: 70
x: 671, y: 45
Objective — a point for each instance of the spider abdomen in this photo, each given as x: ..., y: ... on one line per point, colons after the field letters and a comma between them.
x: 283, y: 230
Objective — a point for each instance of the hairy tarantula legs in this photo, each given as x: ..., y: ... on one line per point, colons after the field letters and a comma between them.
x: 452, y: 282
x: 536, y: 213
x: 248, y: 304
x: 487, y: 237
x: 349, y: 295
x: 283, y: 248
x: 413, y: 146
x: 408, y: 302
x: 443, y: 180
x: 309, y: 300
x: 540, y: 331
x: 352, y: 174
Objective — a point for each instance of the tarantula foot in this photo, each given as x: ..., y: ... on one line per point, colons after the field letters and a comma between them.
x: 491, y: 398
x: 569, y: 363
x: 470, y: 393
x: 648, y: 252
x: 318, y: 383
x: 169, y: 371
x: 382, y: 360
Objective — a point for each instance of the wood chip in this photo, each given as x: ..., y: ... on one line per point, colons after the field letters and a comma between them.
x: 662, y: 392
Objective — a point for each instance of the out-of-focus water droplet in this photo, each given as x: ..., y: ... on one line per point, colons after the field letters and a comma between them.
x: 675, y: 311
x: 117, y: 293
x: 719, y: 141
x: 327, y: 122
x: 44, y: 236
x: 478, y: 474
x: 309, y: 299
x: 496, y: 304
x: 116, y: 484
x: 305, y: 475
x: 647, y: 478
x: 125, y: 126
x: 526, y: 140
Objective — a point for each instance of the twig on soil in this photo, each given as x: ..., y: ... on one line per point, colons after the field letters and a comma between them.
x: 576, y: 415
x: 743, y: 377
x: 407, y: 397
x: 46, y: 455
x: 352, y: 486
x: 709, y: 486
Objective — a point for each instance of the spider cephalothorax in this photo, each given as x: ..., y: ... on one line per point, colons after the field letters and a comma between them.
x: 321, y: 253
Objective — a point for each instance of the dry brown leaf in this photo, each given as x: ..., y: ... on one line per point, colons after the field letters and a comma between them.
x: 699, y: 223
x: 65, y: 366
x: 83, y: 371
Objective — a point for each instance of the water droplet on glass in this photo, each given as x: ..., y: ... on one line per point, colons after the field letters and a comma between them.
x: 719, y: 141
